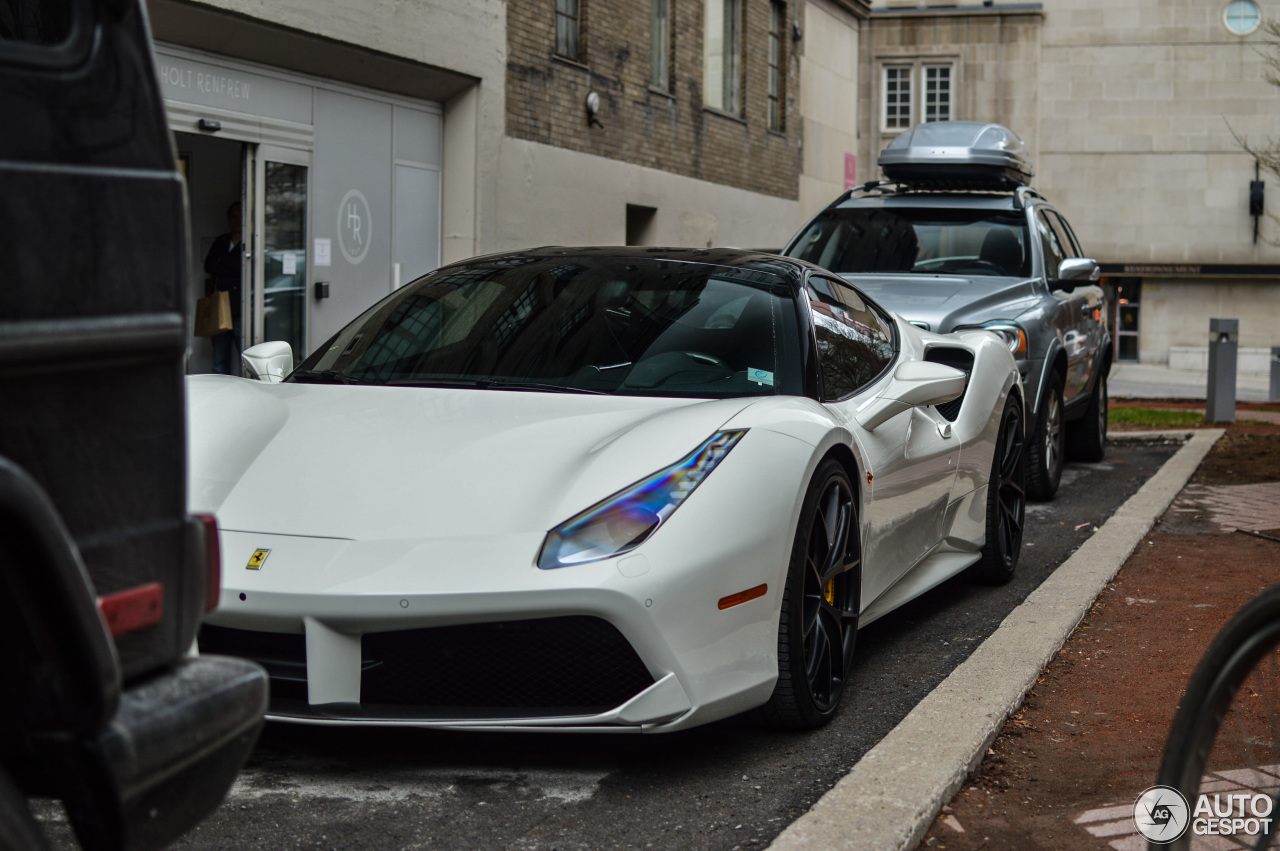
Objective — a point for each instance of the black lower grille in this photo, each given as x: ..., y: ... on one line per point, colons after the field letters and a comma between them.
x: 284, y: 655
x: 566, y: 665
x: 951, y: 410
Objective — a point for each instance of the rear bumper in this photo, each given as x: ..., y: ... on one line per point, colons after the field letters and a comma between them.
x: 175, y: 746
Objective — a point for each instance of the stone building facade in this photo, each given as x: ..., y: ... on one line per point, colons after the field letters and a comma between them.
x: 831, y: 102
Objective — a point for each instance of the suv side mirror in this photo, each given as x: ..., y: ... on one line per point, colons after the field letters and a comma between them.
x: 269, y: 362
x: 914, y: 385
x: 1076, y: 270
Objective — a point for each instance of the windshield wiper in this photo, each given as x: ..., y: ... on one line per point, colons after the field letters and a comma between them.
x: 490, y: 384
x: 550, y: 388
x: 322, y: 376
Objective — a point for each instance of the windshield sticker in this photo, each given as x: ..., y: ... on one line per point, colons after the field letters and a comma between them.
x: 760, y: 376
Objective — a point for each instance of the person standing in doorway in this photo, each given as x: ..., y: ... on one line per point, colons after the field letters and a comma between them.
x: 222, y: 264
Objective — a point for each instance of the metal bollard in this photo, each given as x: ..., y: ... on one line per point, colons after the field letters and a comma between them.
x: 1273, y: 393
x: 1224, y: 334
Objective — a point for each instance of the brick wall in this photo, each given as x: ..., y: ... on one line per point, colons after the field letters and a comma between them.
x: 545, y: 95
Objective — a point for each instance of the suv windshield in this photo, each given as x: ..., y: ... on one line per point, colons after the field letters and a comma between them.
x: 627, y: 326
x: 922, y: 240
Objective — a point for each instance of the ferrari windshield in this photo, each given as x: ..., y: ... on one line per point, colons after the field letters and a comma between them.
x: 576, y: 323
x: 921, y: 240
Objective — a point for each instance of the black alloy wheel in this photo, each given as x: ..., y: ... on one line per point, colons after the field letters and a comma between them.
x: 1006, y: 500
x: 1048, y: 444
x: 818, y: 624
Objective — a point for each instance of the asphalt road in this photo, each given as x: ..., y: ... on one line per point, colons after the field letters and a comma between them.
x: 723, y: 786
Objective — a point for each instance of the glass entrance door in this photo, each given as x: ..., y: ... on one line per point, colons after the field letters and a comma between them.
x: 280, y: 261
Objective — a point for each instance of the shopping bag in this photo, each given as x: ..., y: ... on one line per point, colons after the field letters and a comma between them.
x: 213, y: 314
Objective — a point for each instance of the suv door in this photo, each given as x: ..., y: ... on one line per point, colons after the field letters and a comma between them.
x: 1071, y: 318
x: 1094, y: 311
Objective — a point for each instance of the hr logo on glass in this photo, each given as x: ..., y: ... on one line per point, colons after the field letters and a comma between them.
x: 355, y: 224
x: 1161, y: 814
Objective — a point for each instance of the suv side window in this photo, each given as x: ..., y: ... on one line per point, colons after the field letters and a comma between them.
x: 44, y: 33
x: 1071, y: 244
x: 1052, y: 243
x: 854, y: 343
x: 35, y: 23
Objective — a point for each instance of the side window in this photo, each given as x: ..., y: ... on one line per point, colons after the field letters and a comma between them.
x: 1053, y: 251
x: 42, y: 22
x: 1072, y: 244
x: 45, y: 33
x: 854, y: 343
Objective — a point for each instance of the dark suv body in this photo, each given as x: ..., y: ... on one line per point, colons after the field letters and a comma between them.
x: 961, y: 243
x: 104, y: 577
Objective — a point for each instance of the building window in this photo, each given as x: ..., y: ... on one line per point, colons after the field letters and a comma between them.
x: 660, y: 44
x: 777, y: 24
x: 935, y: 103
x: 897, y: 97
x: 937, y: 93
x: 567, y: 24
x: 1242, y: 16
x: 721, y: 47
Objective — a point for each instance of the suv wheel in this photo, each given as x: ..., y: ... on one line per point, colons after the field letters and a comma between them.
x: 1048, y: 443
x: 1088, y: 437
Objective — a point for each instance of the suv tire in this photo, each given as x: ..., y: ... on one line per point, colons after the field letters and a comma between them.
x: 1048, y: 443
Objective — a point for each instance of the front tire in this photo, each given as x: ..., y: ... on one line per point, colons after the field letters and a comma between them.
x: 1088, y: 437
x: 818, y: 622
x: 18, y: 829
x: 1048, y: 442
x: 1006, y: 500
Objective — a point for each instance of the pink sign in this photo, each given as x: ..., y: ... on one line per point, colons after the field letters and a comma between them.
x: 850, y: 171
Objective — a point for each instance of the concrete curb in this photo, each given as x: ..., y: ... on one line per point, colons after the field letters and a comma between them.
x: 891, y: 797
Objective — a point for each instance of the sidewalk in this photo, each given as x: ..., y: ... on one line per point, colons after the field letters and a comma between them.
x: 1156, y: 381
x: 1067, y: 766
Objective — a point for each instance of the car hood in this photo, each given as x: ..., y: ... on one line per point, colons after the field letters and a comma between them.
x: 382, y: 463
x: 946, y: 301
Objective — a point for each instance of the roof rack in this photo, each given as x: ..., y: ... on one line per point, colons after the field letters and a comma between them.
x: 891, y: 187
x: 1020, y: 196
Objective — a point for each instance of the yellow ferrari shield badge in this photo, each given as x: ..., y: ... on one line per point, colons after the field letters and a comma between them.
x: 256, y: 560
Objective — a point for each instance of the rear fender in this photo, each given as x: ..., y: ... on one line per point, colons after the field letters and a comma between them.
x: 55, y: 641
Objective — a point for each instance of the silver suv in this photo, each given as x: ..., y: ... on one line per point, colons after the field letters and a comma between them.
x: 958, y: 240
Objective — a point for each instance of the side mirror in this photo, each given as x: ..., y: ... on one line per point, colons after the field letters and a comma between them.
x: 269, y: 362
x: 914, y: 384
x: 1076, y: 270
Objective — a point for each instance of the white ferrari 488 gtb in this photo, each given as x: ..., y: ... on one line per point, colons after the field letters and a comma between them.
x: 599, y: 489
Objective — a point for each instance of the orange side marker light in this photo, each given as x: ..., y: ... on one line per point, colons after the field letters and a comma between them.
x: 743, y: 597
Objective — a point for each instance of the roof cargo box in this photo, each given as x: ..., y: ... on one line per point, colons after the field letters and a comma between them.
x: 957, y: 155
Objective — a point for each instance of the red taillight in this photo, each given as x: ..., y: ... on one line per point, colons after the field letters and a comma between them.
x: 213, y: 561
x: 126, y: 611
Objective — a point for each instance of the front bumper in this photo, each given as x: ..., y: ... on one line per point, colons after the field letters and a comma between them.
x: 177, y: 742
x: 327, y: 600
x: 164, y: 761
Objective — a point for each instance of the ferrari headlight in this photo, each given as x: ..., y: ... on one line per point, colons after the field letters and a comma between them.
x: 625, y: 520
x: 1012, y: 334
